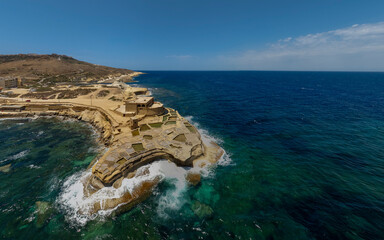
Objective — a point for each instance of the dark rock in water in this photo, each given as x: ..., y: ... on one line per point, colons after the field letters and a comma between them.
x: 202, y: 210
x: 44, y: 211
x: 193, y: 178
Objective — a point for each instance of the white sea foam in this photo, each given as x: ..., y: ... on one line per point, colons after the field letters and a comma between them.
x: 33, y: 166
x: 136, y: 85
x: 19, y: 155
x: 39, y: 133
x: 173, y: 198
x: 225, y: 160
x: 77, y: 206
x: 16, y: 156
x: 17, y: 118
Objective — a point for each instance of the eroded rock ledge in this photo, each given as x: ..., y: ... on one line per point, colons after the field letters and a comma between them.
x: 136, y: 130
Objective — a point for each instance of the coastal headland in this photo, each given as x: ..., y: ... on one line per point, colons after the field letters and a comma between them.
x: 135, y: 129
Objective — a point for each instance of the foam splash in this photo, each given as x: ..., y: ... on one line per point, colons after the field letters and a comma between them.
x: 172, y: 199
x: 77, y: 206
x: 72, y: 198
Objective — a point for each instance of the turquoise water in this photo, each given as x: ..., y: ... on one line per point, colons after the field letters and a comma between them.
x: 42, y: 153
x: 306, y: 162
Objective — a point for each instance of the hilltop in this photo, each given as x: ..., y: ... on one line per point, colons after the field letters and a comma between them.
x: 54, y: 68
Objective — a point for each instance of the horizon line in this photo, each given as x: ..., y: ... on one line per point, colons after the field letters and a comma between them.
x: 336, y: 71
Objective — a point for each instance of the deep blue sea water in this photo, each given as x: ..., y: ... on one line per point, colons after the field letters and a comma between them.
x: 306, y: 162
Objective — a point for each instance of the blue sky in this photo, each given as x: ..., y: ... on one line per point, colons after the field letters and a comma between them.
x: 201, y: 35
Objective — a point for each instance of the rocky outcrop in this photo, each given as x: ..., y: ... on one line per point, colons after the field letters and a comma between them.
x: 168, y: 136
x: 177, y: 141
x: 100, y: 121
x: 193, y: 178
x: 94, y: 117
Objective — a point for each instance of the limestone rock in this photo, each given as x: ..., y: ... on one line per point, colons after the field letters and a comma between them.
x: 193, y: 178
x: 166, y: 135
x: 128, y: 199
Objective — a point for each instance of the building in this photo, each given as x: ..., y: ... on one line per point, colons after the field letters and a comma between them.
x: 141, y: 106
x: 19, y: 82
x: 9, y: 82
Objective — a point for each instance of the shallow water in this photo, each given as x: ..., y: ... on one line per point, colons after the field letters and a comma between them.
x: 306, y: 162
x: 41, y: 154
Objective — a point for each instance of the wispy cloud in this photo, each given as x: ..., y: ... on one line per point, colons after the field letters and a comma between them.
x: 180, y: 57
x: 359, y: 47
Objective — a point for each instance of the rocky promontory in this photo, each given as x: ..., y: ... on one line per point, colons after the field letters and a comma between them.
x: 135, y: 129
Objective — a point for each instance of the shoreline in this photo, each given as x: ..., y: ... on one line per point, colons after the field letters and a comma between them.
x: 129, y: 145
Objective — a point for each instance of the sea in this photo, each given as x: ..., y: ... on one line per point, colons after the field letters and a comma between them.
x: 304, y: 160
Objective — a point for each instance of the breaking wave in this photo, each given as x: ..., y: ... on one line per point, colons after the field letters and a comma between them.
x: 78, y: 206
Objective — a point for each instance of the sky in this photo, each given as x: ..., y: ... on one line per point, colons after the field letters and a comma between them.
x: 304, y: 35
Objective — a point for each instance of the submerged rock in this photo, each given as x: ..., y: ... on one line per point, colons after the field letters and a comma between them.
x: 202, y: 210
x: 207, y: 194
x: 6, y: 168
x: 44, y: 211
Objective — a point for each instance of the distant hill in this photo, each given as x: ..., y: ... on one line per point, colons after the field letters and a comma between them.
x: 54, y: 68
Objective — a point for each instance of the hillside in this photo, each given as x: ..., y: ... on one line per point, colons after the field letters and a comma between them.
x: 50, y: 69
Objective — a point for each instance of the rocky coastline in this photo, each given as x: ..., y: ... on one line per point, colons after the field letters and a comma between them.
x: 132, y: 142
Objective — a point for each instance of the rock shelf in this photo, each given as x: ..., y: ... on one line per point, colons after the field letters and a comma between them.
x: 136, y: 130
